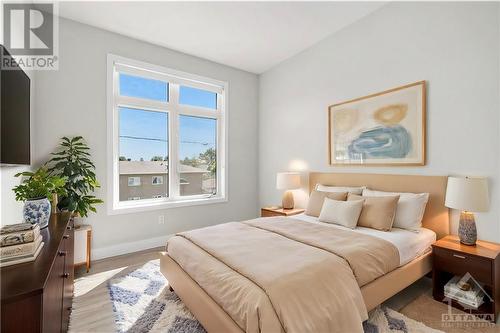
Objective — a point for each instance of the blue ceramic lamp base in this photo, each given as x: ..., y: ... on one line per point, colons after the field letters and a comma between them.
x: 467, y: 231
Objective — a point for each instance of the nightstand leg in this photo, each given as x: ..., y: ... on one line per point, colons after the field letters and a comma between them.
x: 89, y: 239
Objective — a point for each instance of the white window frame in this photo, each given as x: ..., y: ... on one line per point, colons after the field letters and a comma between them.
x: 117, y: 64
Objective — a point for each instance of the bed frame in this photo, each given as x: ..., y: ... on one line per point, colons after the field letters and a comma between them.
x: 215, y: 319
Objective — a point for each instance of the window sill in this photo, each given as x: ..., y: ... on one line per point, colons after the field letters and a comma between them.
x: 136, y: 207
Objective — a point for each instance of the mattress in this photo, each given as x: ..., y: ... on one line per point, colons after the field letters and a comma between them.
x: 281, y: 274
x: 410, y: 244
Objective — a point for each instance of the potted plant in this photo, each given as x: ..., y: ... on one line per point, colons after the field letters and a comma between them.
x: 35, y: 190
x: 73, y: 162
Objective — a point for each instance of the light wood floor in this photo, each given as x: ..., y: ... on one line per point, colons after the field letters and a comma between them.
x: 92, y: 309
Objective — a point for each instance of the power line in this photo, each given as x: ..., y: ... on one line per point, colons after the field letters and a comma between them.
x: 163, y: 140
x: 141, y: 138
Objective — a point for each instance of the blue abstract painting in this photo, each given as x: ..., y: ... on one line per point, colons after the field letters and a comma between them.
x: 384, y: 128
x: 385, y: 142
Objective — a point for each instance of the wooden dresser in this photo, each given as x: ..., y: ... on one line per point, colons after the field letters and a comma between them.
x: 37, y: 296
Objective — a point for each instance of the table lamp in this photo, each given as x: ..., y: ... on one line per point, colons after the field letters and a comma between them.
x: 287, y: 181
x: 468, y: 194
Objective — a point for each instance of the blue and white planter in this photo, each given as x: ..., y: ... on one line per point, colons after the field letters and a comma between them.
x: 37, y: 211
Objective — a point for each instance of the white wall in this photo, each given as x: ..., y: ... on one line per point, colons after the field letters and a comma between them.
x: 454, y: 46
x: 72, y: 101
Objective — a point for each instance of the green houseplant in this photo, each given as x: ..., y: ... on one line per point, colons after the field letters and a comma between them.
x: 73, y: 162
x: 35, y: 190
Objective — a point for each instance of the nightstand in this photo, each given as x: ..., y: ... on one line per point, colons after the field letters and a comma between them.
x: 481, y: 261
x: 272, y: 211
x: 83, y: 242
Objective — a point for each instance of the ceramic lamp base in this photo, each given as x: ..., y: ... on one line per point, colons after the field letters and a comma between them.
x: 467, y: 231
x: 287, y: 201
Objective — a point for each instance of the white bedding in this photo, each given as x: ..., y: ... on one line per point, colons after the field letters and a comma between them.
x: 410, y: 244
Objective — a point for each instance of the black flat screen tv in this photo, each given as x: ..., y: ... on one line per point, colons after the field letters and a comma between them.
x: 14, y: 114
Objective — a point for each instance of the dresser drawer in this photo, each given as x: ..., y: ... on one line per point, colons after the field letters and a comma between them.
x: 461, y: 263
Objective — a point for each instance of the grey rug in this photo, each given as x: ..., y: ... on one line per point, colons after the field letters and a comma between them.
x: 142, y: 302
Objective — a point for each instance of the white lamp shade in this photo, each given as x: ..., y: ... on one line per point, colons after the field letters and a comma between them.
x: 467, y: 193
x: 287, y: 180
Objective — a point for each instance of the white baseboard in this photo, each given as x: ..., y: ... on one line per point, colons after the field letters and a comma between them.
x: 130, y: 247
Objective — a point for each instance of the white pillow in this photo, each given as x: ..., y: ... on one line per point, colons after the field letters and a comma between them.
x: 350, y: 189
x: 344, y: 213
x: 410, y: 209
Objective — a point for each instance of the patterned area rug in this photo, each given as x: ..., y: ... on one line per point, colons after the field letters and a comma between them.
x: 383, y: 319
x: 142, y: 302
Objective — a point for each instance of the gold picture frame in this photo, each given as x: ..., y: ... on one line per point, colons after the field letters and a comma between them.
x: 387, y: 128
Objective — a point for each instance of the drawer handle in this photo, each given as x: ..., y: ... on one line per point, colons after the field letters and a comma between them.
x: 459, y: 256
x: 66, y: 236
x: 62, y: 253
x: 65, y: 275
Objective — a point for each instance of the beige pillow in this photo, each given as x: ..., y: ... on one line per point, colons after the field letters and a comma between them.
x: 316, y: 201
x: 410, y: 210
x: 378, y: 212
x: 349, y: 189
x: 345, y: 213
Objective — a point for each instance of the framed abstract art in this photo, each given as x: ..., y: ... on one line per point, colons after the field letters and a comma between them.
x: 386, y: 128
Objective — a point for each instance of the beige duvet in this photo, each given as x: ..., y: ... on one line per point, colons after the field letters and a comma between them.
x: 282, y: 274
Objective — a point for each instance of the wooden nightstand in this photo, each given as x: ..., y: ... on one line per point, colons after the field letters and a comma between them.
x: 271, y: 211
x: 481, y: 261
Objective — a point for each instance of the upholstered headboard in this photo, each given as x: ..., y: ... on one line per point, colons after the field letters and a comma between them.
x: 436, y: 215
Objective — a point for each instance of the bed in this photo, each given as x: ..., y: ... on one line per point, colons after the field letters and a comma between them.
x: 229, y: 294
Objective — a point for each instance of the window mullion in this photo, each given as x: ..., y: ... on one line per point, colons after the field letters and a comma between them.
x: 220, y: 149
x: 137, y: 103
x: 173, y: 160
x: 198, y: 112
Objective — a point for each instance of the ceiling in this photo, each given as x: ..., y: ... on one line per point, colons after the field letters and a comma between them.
x: 252, y: 36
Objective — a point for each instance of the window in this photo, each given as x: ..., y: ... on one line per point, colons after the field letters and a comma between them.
x: 197, y: 97
x: 134, y: 181
x: 198, y: 146
x: 135, y: 86
x: 169, y: 126
x: 156, y: 180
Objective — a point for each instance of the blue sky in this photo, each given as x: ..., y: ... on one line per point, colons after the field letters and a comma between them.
x: 144, y: 134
